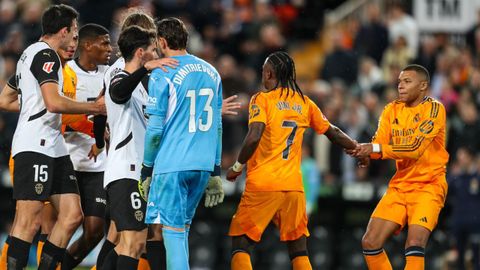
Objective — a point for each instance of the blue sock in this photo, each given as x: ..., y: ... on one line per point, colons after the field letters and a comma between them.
x: 174, y: 241
x: 187, y: 231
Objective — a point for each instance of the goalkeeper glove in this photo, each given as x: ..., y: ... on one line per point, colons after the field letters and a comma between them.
x: 214, y: 191
x: 145, y: 180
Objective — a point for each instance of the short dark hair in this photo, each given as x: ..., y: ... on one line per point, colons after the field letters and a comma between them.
x: 174, y: 31
x: 91, y: 31
x: 420, y: 70
x: 57, y: 17
x: 132, y: 38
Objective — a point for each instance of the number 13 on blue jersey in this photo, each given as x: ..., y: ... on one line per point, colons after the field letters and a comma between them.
x: 203, y: 124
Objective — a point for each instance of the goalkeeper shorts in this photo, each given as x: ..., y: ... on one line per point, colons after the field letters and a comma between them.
x: 174, y: 197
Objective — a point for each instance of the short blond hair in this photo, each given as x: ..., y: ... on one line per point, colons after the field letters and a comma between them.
x: 139, y: 18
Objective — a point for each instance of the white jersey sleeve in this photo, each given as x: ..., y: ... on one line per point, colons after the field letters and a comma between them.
x: 38, y: 130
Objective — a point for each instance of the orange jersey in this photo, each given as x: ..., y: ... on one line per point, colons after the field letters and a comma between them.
x: 275, y: 164
x: 77, y: 122
x: 415, y: 138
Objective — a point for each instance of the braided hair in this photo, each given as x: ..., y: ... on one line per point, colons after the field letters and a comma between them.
x: 284, y: 69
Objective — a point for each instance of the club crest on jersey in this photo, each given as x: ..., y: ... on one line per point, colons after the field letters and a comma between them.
x: 48, y: 67
x: 416, y: 118
x: 254, y: 111
x: 38, y: 188
x: 139, y: 215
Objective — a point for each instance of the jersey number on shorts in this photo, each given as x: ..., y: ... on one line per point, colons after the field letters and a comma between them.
x: 41, y: 173
x: 192, y: 125
x: 291, y: 137
x: 136, y: 201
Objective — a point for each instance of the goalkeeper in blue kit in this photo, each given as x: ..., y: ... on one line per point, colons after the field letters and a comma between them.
x: 182, y: 141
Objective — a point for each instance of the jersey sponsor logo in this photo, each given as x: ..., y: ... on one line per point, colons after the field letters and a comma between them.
x: 101, y: 200
x: 151, y: 101
x: 424, y: 219
x: 48, y: 67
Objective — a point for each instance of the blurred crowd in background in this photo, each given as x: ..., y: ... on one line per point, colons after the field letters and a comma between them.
x: 349, y: 67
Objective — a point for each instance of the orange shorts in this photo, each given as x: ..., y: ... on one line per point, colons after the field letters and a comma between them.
x: 420, y: 206
x: 286, y: 209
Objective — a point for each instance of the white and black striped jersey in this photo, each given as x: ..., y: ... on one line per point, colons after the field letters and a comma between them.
x: 38, y: 130
x: 127, y: 132
x: 89, y: 86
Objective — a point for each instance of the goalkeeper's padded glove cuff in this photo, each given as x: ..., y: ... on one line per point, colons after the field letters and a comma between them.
x: 216, y: 170
x: 146, y: 171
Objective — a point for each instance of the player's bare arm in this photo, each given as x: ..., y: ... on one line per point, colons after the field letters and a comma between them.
x: 229, y: 106
x: 59, y: 104
x: 9, y: 99
x: 250, y: 144
x: 161, y: 63
x: 337, y: 136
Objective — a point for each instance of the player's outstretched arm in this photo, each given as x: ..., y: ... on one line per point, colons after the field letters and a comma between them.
x: 250, y: 144
x: 337, y: 136
x: 56, y: 103
x: 229, y: 106
x: 9, y: 99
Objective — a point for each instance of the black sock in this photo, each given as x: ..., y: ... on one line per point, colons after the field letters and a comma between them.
x: 126, y: 263
x: 69, y: 262
x: 156, y: 255
x: 110, y: 262
x: 17, y: 253
x: 102, y: 255
x: 415, y: 251
x: 42, y: 237
x: 51, y: 256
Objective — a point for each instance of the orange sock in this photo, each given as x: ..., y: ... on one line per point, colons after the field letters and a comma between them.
x: 3, y: 259
x: 301, y: 263
x: 241, y: 261
x: 377, y: 259
x: 415, y: 263
x: 143, y: 264
x: 415, y: 257
x: 94, y: 268
x: 39, y: 251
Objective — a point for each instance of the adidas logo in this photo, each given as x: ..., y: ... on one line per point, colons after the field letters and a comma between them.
x: 424, y: 219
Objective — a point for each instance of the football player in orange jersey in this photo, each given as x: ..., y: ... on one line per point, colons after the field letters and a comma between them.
x: 272, y: 150
x: 411, y: 130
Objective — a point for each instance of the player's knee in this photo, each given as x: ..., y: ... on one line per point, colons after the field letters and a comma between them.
x: 28, y: 223
x: 93, y: 234
x: 242, y: 244
x: 415, y: 243
x: 71, y: 221
x: 369, y: 242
